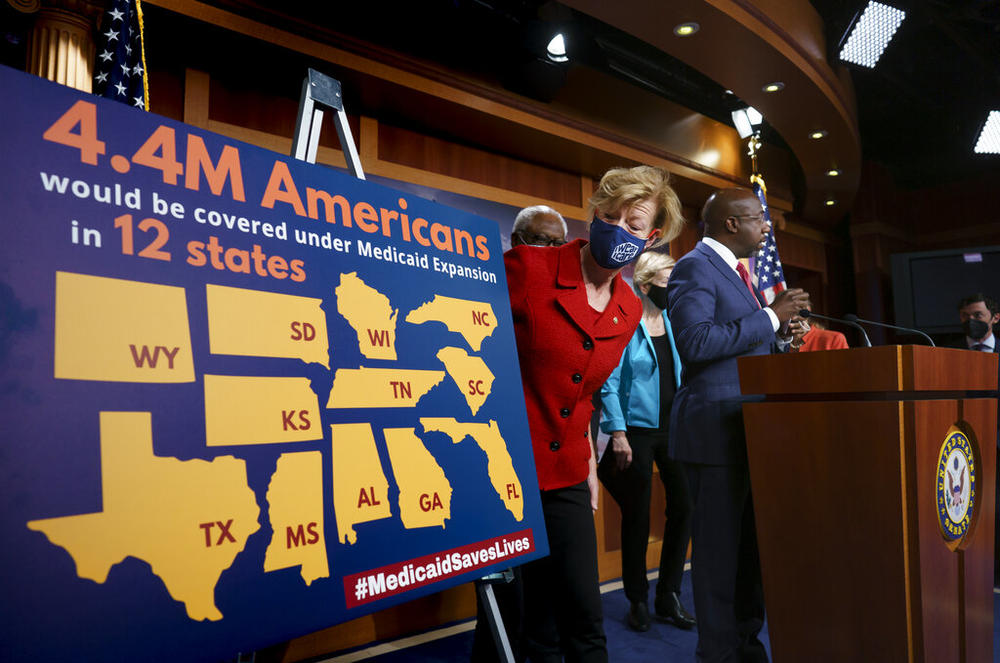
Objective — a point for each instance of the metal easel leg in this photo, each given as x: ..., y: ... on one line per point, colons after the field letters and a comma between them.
x: 319, y: 93
x: 484, y: 589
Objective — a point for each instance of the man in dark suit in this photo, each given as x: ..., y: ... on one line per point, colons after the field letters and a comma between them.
x: 718, y: 317
x: 978, y: 314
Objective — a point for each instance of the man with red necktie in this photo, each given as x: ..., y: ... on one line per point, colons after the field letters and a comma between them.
x: 717, y: 317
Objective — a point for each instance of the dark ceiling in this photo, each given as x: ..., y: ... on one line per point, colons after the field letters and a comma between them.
x: 921, y: 109
x: 505, y: 40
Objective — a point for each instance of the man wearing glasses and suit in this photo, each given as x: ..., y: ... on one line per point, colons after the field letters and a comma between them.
x: 718, y: 316
x: 538, y: 225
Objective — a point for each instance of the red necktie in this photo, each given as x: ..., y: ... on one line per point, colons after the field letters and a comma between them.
x: 745, y: 275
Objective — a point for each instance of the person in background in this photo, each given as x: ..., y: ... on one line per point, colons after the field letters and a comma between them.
x: 538, y: 225
x: 573, y: 315
x: 636, y: 402
x: 718, y: 317
x: 978, y: 313
x: 818, y: 337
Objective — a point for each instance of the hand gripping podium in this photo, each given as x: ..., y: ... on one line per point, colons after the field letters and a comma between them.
x: 873, y: 477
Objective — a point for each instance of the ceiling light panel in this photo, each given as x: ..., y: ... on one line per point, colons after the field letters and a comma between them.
x: 871, y: 34
x: 989, y: 138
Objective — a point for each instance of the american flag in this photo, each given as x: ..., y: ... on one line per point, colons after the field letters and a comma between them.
x: 121, y: 62
x: 767, y: 270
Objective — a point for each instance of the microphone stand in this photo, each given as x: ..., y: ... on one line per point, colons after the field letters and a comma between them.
x: 806, y: 313
x: 853, y: 318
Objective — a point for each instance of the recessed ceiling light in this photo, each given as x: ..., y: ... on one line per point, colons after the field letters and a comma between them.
x: 556, y: 50
x: 776, y: 86
x: 833, y: 172
x: 989, y: 137
x: 872, y: 32
x: 830, y: 202
x: 816, y: 135
x: 686, y: 29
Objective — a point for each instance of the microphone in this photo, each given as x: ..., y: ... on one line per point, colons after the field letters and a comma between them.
x: 806, y: 313
x: 853, y: 318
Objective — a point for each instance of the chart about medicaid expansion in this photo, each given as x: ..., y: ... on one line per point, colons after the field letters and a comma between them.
x: 242, y: 397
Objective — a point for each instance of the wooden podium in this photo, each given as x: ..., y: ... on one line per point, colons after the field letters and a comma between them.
x: 844, y: 464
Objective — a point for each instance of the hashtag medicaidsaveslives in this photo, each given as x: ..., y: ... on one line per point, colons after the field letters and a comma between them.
x: 408, y: 575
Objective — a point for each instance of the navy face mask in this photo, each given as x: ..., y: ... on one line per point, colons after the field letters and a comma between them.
x: 612, y: 246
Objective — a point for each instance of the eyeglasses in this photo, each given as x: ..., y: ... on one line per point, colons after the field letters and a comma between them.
x: 539, y: 240
x: 759, y: 216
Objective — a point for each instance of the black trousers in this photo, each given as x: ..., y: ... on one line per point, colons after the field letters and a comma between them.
x: 632, y: 488
x: 725, y: 565
x: 562, y: 599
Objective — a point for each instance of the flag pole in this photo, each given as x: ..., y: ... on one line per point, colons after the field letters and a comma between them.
x: 765, y: 265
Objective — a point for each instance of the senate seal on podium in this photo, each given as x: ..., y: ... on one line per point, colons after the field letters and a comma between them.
x: 956, y: 485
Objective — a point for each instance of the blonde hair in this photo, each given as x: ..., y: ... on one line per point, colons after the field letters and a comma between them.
x: 649, y: 264
x: 621, y: 188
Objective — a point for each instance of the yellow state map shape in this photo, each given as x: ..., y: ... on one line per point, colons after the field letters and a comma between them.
x: 360, y: 489
x: 252, y: 323
x: 470, y: 374
x: 380, y: 387
x: 499, y: 465
x: 187, y: 519
x: 473, y: 320
x: 259, y: 410
x: 371, y: 315
x: 295, y: 506
x: 424, y: 490
x: 121, y: 331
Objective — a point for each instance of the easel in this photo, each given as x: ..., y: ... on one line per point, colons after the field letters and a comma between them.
x: 486, y: 595
x: 319, y: 93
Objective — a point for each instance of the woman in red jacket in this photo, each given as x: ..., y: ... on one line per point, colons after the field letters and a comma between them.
x: 573, y: 316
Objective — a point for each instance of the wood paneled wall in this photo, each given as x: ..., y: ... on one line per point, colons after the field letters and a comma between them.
x: 434, y: 155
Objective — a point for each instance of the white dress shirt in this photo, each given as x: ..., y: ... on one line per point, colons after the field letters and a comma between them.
x: 989, y: 342
x: 730, y: 259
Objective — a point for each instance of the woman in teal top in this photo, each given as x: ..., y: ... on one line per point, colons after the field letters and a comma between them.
x: 636, y: 402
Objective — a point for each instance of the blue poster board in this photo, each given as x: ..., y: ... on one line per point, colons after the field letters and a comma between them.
x: 242, y: 397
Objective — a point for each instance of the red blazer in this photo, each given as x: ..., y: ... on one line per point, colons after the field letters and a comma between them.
x: 823, y: 339
x: 566, y: 350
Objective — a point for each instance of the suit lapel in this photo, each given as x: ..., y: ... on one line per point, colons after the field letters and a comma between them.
x: 649, y: 342
x: 572, y: 298
x: 729, y: 274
